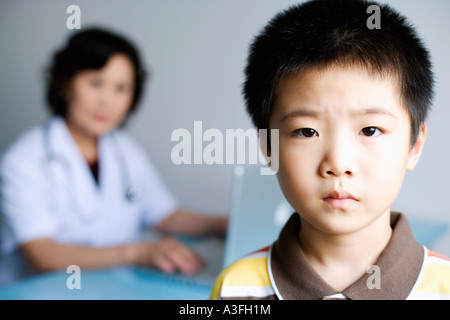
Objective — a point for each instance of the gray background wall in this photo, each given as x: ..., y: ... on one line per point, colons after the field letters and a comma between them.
x: 196, y: 52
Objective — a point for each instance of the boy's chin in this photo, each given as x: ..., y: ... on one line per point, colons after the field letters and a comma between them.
x: 338, y: 222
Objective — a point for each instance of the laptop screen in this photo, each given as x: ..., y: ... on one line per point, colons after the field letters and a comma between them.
x: 258, y: 211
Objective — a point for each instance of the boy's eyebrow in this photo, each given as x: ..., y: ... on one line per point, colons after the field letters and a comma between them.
x: 299, y: 113
x: 312, y: 114
x: 373, y: 110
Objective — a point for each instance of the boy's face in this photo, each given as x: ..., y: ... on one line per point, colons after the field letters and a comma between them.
x: 344, y: 146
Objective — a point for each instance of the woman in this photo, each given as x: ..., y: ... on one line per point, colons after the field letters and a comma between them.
x: 78, y: 190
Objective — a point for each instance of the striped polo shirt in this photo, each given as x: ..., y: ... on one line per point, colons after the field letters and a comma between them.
x: 406, y: 269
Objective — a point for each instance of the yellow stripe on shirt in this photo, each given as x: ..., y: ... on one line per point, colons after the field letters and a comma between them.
x: 248, y: 276
x: 432, y: 279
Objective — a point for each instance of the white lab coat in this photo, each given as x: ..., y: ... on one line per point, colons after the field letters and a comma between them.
x: 48, y: 190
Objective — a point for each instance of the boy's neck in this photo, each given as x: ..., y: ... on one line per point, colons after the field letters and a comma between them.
x: 342, y: 259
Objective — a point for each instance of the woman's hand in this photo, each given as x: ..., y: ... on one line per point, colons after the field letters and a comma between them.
x: 167, y: 255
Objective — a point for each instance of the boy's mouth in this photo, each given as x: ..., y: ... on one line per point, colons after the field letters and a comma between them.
x: 340, y: 199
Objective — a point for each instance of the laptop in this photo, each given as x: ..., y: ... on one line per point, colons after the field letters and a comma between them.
x: 258, y: 211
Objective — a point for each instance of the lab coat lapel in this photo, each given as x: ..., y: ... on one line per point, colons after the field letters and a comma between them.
x: 77, y: 177
x: 111, y: 170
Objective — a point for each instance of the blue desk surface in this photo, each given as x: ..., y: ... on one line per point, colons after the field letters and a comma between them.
x: 122, y: 283
x: 126, y: 283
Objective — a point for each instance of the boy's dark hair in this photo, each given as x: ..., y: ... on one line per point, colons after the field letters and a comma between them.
x: 318, y: 34
x: 89, y: 50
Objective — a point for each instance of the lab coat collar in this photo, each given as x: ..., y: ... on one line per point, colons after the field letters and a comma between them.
x: 60, y: 140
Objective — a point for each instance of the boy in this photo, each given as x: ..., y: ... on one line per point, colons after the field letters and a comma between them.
x: 350, y: 104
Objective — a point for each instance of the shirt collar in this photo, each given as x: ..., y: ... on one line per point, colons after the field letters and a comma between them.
x: 58, y: 138
x: 399, y: 265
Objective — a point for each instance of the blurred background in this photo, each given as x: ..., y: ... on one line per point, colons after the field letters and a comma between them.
x: 195, y: 52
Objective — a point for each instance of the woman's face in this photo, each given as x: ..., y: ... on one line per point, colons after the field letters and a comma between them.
x: 98, y: 100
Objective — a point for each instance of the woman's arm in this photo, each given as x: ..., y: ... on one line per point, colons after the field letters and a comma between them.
x: 168, y: 255
x: 184, y: 222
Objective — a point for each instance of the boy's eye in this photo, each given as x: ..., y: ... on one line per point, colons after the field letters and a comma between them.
x: 306, y: 132
x: 371, y: 132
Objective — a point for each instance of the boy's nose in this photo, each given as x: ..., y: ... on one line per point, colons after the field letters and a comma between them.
x: 338, y: 160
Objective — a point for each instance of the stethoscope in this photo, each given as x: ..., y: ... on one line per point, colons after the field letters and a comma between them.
x: 132, y: 193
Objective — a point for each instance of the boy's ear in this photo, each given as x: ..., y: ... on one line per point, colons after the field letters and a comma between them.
x: 416, y: 150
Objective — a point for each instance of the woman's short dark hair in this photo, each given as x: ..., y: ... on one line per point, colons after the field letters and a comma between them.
x: 89, y: 49
x: 321, y: 33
